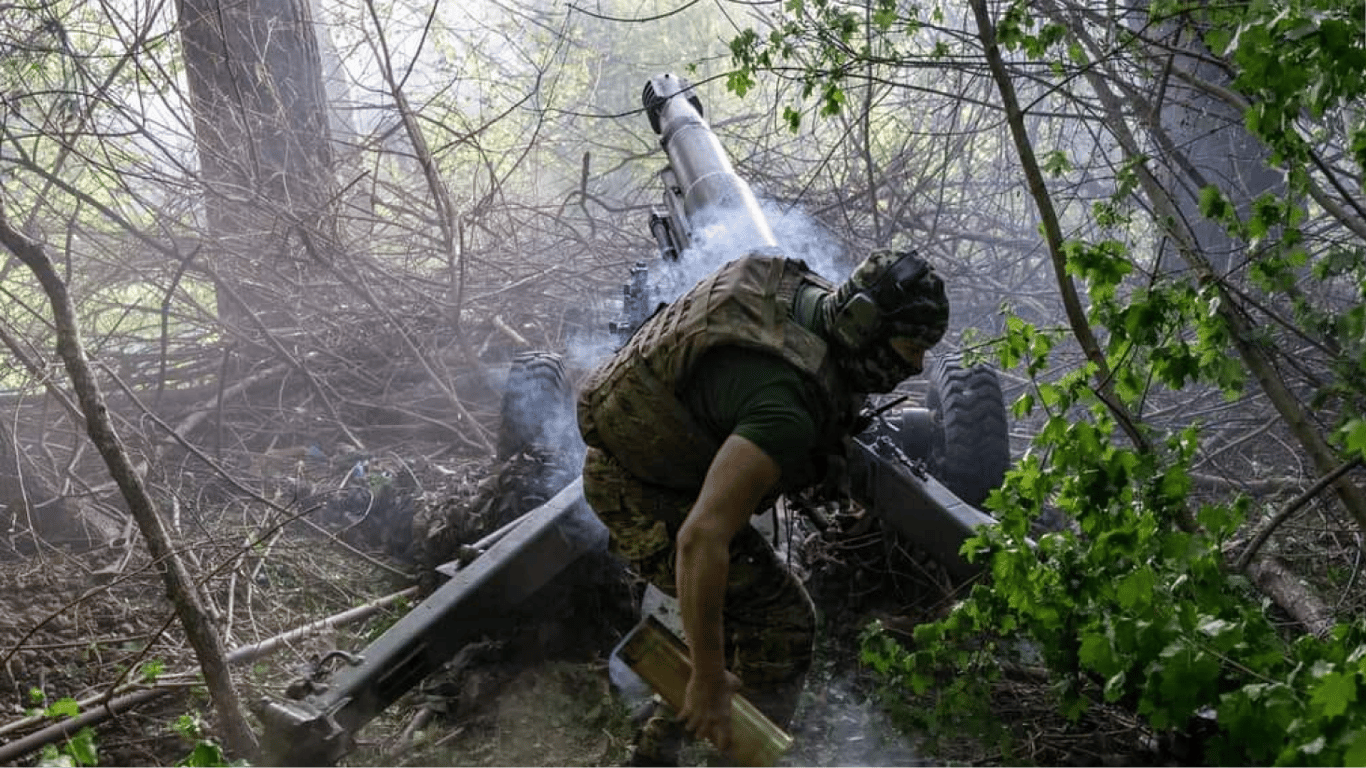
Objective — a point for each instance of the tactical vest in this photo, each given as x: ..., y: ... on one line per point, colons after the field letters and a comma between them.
x: 630, y: 407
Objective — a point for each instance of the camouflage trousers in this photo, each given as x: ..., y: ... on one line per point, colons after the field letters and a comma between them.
x: 770, y: 621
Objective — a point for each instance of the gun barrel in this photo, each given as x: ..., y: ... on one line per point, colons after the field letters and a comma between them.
x: 704, y: 179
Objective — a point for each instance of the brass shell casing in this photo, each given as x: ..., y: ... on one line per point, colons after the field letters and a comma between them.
x: 663, y: 661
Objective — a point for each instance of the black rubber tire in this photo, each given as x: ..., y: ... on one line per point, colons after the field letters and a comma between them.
x: 971, y: 446
x: 538, y: 407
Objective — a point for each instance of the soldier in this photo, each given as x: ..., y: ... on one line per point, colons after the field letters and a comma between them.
x: 743, y: 388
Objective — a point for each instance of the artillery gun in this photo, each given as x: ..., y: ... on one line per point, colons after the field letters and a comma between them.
x: 920, y: 469
x: 960, y: 431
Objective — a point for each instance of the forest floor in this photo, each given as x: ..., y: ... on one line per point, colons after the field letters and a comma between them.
x: 74, y: 627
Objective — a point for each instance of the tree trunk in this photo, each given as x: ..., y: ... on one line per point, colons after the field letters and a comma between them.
x: 22, y: 489
x: 1269, y: 575
x: 260, y: 116
x: 1203, y: 141
x: 1258, y: 359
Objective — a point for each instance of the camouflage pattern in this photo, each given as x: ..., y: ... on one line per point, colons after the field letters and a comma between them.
x: 629, y: 406
x: 648, y: 457
x: 770, y: 620
x: 908, y: 295
x: 878, y: 367
x: 892, y: 294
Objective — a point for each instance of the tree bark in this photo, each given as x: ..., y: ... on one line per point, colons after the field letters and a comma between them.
x: 1067, y: 289
x: 1291, y: 594
x: 260, y: 116
x: 1230, y: 310
x: 180, y: 587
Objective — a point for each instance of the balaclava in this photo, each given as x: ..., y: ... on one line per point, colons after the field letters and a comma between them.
x: 891, y: 294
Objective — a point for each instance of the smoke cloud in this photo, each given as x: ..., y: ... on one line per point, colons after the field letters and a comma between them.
x: 838, y: 725
x: 714, y: 243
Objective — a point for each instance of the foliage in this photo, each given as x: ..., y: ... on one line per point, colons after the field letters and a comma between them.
x: 152, y: 670
x: 1293, y: 59
x: 206, y: 752
x: 79, y: 749
x: 1135, y: 604
x: 943, y: 707
x: 833, y: 38
x: 1133, y: 609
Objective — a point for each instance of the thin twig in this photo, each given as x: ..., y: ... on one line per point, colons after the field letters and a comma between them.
x: 1289, y: 509
x: 96, y: 709
x: 239, y: 485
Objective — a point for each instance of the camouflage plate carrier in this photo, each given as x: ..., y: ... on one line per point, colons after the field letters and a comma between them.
x: 629, y: 407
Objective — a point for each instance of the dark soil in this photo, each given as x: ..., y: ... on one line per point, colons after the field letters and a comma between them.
x: 537, y: 695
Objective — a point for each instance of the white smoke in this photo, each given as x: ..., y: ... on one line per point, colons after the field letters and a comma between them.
x: 837, y: 725
x: 586, y: 351
x: 802, y: 237
x: 714, y: 243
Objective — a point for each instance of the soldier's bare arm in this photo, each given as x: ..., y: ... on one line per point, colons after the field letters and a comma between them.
x: 737, y: 479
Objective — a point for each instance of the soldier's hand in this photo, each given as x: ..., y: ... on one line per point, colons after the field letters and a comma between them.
x: 706, y: 707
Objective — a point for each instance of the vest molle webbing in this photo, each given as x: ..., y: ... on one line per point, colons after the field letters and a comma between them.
x: 629, y: 406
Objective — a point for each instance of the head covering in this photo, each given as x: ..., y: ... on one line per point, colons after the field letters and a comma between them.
x: 875, y: 368
x: 892, y: 294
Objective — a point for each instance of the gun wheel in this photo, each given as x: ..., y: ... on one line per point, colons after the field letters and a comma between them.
x: 538, y: 405
x: 970, y: 449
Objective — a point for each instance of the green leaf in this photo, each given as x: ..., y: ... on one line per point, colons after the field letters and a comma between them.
x: 82, y: 748
x: 67, y: 707
x: 1076, y: 54
x: 1097, y: 654
x: 1219, y: 519
x: 1355, y: 753
x: 1214, y: 627
x: 1358, y: 145
x: 739, y: 83
x: 1334, y: 692
x: 1314, y: 746
x: 1055, y: 163
x: 188, y: 725
x: 1114, y: 686
x: 1217, y: 40
x: 205, y: 754
x: 1136, y: 589
x: 49, y: 757
x: 1354, y: 436
x: 832, y: 101
x: 885, y: 16
x: 1212, y: 203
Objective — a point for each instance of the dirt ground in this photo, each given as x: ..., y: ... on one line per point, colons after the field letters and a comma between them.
x: 74, y: 627
x: 555, y: 704
x: 558, y: 713
x: 541, y: 696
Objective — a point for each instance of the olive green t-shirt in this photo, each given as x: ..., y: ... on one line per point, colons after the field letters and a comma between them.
x: 760, y: 397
